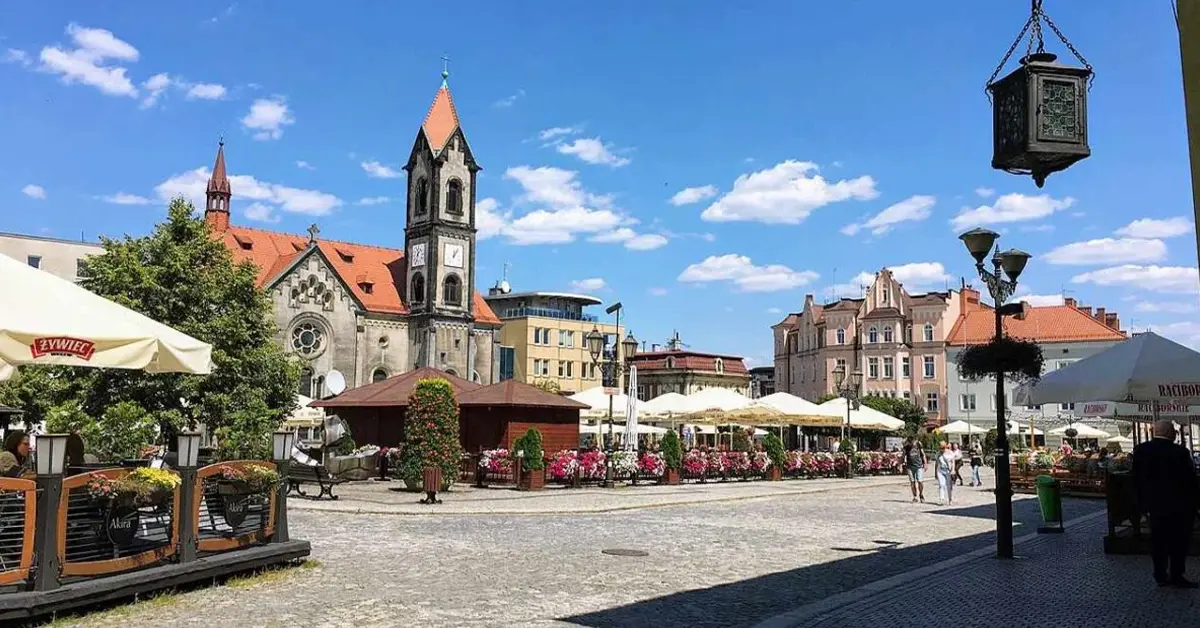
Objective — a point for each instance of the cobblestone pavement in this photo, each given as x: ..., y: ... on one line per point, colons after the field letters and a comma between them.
x: 710, y: 564
x: 1059, y: 580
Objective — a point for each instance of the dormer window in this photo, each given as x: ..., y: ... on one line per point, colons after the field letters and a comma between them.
x: 245, y: 243
x: 367, y: 287
x: 670, y: 363
x: 720, y: 365
x: 346, y: 256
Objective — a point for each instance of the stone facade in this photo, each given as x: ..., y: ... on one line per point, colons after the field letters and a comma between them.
x: 685, y: 372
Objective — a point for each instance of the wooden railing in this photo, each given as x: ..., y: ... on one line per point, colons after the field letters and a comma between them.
x: 18, y: 517
x: 226, y: 518
x: 103, y: 538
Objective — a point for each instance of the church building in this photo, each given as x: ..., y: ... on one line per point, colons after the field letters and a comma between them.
x: 361, y: 313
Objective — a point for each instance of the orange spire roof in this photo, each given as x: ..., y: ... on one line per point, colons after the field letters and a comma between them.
x: 442, y: 119
x: 218, y: 182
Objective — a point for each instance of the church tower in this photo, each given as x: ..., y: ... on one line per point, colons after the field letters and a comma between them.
x: 439, y: 240
x: 217, y: 195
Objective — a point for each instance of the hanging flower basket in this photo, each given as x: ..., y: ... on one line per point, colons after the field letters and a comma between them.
x: 248, y: 479
x: 1019, y: 359
x: 137, y: 489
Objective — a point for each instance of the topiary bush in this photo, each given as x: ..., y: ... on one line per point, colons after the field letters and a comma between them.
x: 672, y: 450
x: 846, y: 446
x: 741, y: 440
x: 775, y: 450
x: 432, y: 427
x: 531, y: 444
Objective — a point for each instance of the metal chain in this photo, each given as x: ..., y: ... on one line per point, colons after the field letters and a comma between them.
x: 1033, y: 26
x: 1007, y: 56
x: 1071, y: 47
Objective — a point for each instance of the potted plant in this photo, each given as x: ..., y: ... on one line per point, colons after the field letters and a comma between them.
x: 778, y: 456
x: 531, y: 461
x: 432, y: 429
x: 248, y: 479
x: 672, y: 454
x: 137, y: 489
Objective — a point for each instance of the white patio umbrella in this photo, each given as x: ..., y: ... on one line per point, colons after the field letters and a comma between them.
x: 48, y: 320
x: 664, y: 405
x: 631, y: 422
x: 716, y: 399
x: 791, y: 404
x: 1120, y: 440
x: 602, y: 428
x: 598, y: 402
x: 1083, y: 431
x: 962, y: 428
x: 1146, y: 367
x: 865, y: 417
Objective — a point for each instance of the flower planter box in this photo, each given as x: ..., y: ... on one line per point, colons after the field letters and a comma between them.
x: 533, y: 480
x: 670, y: 476
x: 774, y: 473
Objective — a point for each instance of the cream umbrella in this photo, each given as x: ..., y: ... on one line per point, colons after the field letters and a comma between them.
x: 962, y: 428
x: 864, y: 418
x: 598, y: 402
x: 48, y: 320
x: 1083, y: 431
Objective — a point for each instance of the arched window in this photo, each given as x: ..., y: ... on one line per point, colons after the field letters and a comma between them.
x: 887, y: 334
x: 872, y: 335
x: 454, y: 200
x: 417, y: 293
x: 452, y: 291
x: 422, y: 199
x: 452, y: 372
x: 841, y: 336
x: 720, y: 365
x: 306, y: 382
x: 928, y: 332
x: 670, y: 363
x: 379, y: 375
x: 319, y: 388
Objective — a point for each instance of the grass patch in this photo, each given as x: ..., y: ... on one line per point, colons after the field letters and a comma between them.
x: 269, y: 574
x: 157, y: 601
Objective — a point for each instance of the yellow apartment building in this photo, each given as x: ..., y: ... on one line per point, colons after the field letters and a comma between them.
x: 546, y: 331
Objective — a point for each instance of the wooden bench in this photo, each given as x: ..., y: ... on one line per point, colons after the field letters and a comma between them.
x: 301, y: 474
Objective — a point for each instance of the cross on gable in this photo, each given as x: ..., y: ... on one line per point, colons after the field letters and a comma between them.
x: 313, y: 230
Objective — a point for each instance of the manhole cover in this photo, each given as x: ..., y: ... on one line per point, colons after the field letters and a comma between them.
x: 624, y: 552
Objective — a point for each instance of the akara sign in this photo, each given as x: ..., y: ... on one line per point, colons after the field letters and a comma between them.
x: 62, y: 346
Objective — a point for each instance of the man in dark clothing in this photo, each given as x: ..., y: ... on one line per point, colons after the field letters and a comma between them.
x: 1167, y: 493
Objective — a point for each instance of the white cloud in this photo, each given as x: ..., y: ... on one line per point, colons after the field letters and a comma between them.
x: 774, y: 310
x: 267, y: 118
x: 1156, y: 278
x: 373, y: 200
x: 155, y: 86
x: 588, y: 285
x: 912, y: 209
x: 543, y: 226
x: 1044, y: 228
x: 19, y: 57
x: 304, y: 165
x: 376, y: 170
x: 631, y: 239
x: 1010, y: 208
x: 191, y: 185
x: 34, y: 191
x: 1105, y: 251
x: 489, y: 220
x: 557, y: 131
x: 124, y: 198
x: 509, y: 100
x: 1174, y: 308
x: 262, y: 213
x: 916, y: 277
x: 687, y: 196
x: 785, y: 193
x: 740, y: 271
x: 593, y: 151
x: 206, y: 91
x: 1156, y: 228
x: 658, y: 292
x: 91, y: 61
x: 1041, y: 300
x: 985, y: 192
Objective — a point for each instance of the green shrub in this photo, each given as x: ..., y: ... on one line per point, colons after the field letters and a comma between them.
x: 345, y: 445
x: 432, y: 428
x: 846, y: 446
x: 775, y: 450
x: 531, y: 444
x: 742, y: 440
x: 672, y: 450
x: 121, y: 433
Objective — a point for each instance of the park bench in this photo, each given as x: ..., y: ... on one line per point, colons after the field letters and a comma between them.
x: 301, y: 474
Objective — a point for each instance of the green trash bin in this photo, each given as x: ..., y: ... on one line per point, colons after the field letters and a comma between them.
x: 1049, y: 493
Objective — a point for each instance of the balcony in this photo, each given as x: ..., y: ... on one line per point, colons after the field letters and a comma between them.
x: 545, y: 312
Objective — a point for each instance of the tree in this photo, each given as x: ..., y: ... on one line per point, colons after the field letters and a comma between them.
x: 903, y: 409
x: 548, y: 385
x: 530, y: 444
x: 182, y: 277
x: 775, y: 450
x: 431, y: 425
x: 120, y: 433
x: 672, y: 450
x: 741, y: 440
x: 826, y: 397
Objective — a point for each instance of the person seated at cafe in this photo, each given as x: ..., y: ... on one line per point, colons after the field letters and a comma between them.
x: 75, y: 450
x: 15, y: 461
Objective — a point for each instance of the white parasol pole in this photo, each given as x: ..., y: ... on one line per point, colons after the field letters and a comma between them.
x: 631, y: 434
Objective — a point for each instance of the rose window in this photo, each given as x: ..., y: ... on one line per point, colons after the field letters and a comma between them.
x: 308, y: 339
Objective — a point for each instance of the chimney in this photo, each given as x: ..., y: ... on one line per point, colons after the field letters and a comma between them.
x: 1111, y: 320
x: 1069, y: 301
x: 1086, y: 309
x: 1100, y: 315
x: 968, y: 298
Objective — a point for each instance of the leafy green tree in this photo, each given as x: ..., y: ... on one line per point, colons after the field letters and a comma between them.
x: 247, y: 435
x: 431, y: 425
x: 826, y: 397
x: 548, y: 385
x: 67, y: 417
x: 903, y: 409
x: 741, y: 440
x: 120, y: 433
x: 182, y: 277
x: 672, y: 450
x: 39, y: 390
x: 530, y: 444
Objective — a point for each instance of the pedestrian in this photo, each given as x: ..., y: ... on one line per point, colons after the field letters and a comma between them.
x: 958, y: 463
x: 976, y: 463
x: 1167, y: 493
x: 944, y: 469
x: 914, y: 463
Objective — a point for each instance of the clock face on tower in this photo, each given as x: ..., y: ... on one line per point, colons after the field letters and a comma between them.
x: 418, y: 255
x: 454, y: 255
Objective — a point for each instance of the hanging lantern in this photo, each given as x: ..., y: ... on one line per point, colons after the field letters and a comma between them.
x: 1039, y: 111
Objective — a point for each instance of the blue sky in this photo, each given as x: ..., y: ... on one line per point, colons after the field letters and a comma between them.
x: 782, y: 130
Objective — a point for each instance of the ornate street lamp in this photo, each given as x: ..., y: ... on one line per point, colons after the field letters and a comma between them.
x: 1010, y: 263
x: 1039, y: 111
x: 630, y: 345
x: 611, y: 366
x: 595, y: 343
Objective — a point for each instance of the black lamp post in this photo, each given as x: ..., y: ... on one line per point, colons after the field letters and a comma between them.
x: 979, y: 243
x: 847, y: 388
x: 609, y: 357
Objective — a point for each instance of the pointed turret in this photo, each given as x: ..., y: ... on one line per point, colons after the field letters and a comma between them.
x: 442, y: 119
x: 218, y: 194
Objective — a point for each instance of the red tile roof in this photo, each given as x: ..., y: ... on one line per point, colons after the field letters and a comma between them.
x: 1057, y: 323
x: 689, y: 360
x: 442, y: 119
x: 393, y: 392
x: 272, y: 252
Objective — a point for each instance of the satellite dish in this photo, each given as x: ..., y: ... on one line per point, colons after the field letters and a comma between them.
x: 335, y: 382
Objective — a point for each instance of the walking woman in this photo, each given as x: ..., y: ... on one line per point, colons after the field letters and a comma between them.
x: 976, y: 463
x: 944, y: 468
x: 958, y: 463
